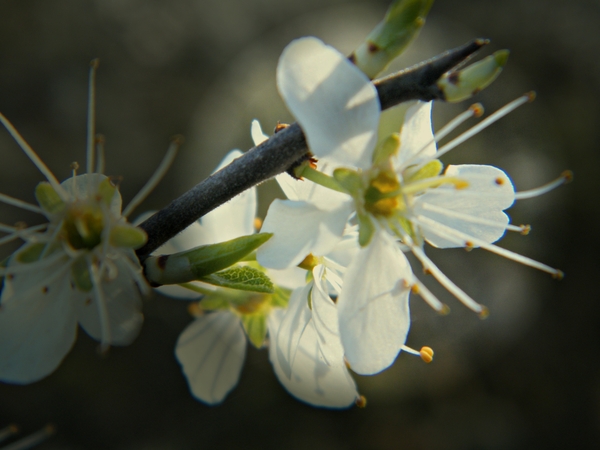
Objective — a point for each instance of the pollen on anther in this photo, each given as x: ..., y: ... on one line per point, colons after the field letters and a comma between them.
x: 525, y: 229
x: 567, y: 176
x: 484, y: 313
x: 74, y: 165
x: 195, y: 309
x: 477, y: 109
x: 558, y: 275
x: 531, y: 96
x: 426, y: 354
x: 469, y: 246
x: 45, y: 289
x: 361, y: 401
x: 444, y: 311
x: 257, y: 223
x: 499, y: 181
x: 414, y: 289
x: 280, y: 126
x: 426, y: 271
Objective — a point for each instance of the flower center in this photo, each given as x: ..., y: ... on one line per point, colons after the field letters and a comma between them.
x: 83, y: 225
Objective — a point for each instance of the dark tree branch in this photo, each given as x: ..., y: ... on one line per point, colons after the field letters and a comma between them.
x: 284, y: 148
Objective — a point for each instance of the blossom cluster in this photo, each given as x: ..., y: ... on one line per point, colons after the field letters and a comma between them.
x: 326, y: 283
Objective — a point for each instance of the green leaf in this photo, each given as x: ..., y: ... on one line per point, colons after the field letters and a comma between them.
x: 242, y: 278
x: 255, y: 326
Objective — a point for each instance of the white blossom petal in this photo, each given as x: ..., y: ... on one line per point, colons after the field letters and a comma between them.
x: 416, y: 136
x: 38, y: 323
x: 291, y: 328
x: 211, y: 351
x: 373, y: 306
x: 334, y: 102
x: 475, y: 210
x: 312, y: 380
x: 124, y: 305
x: 300, y: 228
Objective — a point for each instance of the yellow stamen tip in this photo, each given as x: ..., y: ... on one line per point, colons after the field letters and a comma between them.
x: 525, y: 229
x: 361, y: 401
x: 195, y: 309
x: 178, y: 139
x: 477, y: 109
x: 74, y: 165
x: 414, y: 289
x: 567, y: 175
x: 484, y: 313
x: 558, y: 275
x: 445, y: 310
x: 531, y: 96
x: 426, y: 354
x: 461, y: 185
x: 257, y: 223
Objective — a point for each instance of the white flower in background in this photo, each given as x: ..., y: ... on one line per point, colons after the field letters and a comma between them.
x: 80, y: 267
x: 212, y: 348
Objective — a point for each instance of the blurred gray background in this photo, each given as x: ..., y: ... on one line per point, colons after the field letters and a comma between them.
x: 527, y: 377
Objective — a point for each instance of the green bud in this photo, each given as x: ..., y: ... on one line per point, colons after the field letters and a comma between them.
x: 386, y: 148
x: 389, y: 38
x: 201, y: 261
x: 462, y: 84
x: 48, y: 199
x: 431, y: 169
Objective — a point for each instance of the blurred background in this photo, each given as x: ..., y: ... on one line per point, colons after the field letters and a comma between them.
x: 528, y: 376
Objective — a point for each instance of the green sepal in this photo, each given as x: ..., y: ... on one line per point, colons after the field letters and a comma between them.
x: 30, y: 253
x: 462, y: 84
x: 401, y: 24
x: 430, y: 170
x: 349, y: 179
x: 241, y: 278
x: 106, y: 190
x: 280, y: 297
x: 48, y: 198
x: 80, y: 274
x: 255, y: 326
x: 366, y: 229
x: 127, y: 236
x: 386, y: 148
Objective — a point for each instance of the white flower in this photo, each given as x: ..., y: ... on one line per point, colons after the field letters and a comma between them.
x: 81, y: 269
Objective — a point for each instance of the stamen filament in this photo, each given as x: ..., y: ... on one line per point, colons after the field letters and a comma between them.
x: 91, y: 118
x: 320, y: 178
x: 100, y: 153
x: 510, y: 107
x: 421, y: 185
x: 156, y: 176
x: 443, y: 279
x: 105, y: 333
x: 461, y: 238
x: 20, y: 204
x: 35, y: 159
x: 421, y: 290
x: 565, y: 177
x: 32, y: 440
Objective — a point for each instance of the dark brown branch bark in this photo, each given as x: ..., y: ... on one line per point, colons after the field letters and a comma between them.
x: 284, y: 148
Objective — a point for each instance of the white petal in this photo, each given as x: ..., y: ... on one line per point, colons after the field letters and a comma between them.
x: 38, y: 324
x: 373, y: 306
x: 300, y: 228
x: 211, y: 351
x: 292, y: 327
x: 325, y: 320
x: 490, y: 191
x: 416, y: 136
x: 124, y: 305
x: 258, y: 137
x: 312, y: 380
x: 334, y: 102
x: 82, y: 186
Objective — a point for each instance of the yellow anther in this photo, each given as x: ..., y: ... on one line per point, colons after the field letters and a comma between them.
x: 477, y: 109
x: 74, y: 165
x: 531, y: 96
x: 426, y: 354
x: 309, y: 262
x: 280, y: 126
x: 461, y: 184
x: 558, y: 275
x: 445, y: 310
x: 195, y: 309
x: 567, y: 175
x: 525, y: 229
x: 361, y: 401
x: 499, y: 181
x: 257, y: 223
x: 484, y: 313
x: 469, y: 246
x: 414, y: 289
